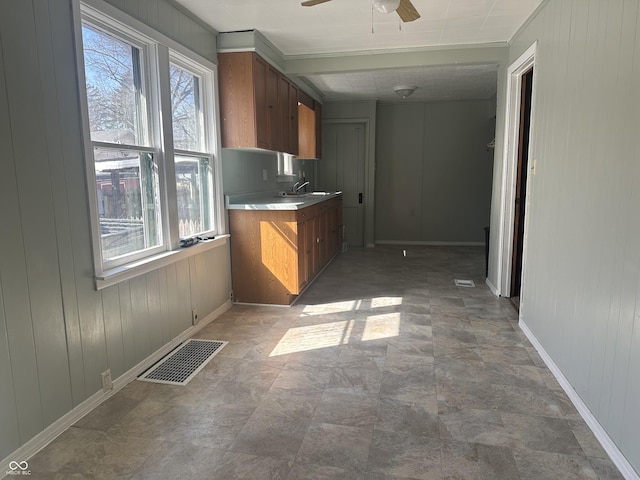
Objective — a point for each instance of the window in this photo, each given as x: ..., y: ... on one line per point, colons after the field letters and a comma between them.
x: 126, y: 170
x: 193, y: 168
x: 150, y: 113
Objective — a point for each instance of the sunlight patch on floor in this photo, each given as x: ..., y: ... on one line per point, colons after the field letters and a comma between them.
x: 335, y: 307
x: 301, y: 339
x: 381, y: 326
x: 378, y: 302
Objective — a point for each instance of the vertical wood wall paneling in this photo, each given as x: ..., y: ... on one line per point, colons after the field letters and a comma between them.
x: 608, y: 208
x: 581, y: 294
x: 32, y: 169
x: 164, y: 321
x: 568, y: 62
x: 220, y: 276
x: 55, y: 46
x: 126, y: 320
x: 583, y: 53
x: 151, y: 14
x: 399, y: 148
x: 183, y: 303
x: 140, y: 315
x: 194, y: 282
x: 623, y: 19
x: 10, y: 438
x: 79, y: 268
x: 154, y: 319
x: 171, y: 299
x: 171, y: 21
x: 113, y: 330
x: 626, y: 421
x: 131, y: 7
x: 13, y: 274
x: 434, y: 171
x: 457, y: 171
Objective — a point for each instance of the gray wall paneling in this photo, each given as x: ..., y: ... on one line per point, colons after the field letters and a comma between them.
x: 43, y: 308
x: 434, y: 171
x: 57, y: 333
x: 457, y: 173
x: 581, y: 283
x: 399, y: 170
x: 170, y: 19
x: 9, y: 219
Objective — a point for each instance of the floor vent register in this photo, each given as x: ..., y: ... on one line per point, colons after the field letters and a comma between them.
x: 181, y: 365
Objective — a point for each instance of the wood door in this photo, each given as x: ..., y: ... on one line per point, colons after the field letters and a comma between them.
x: 521, y: 182
x: 342, y: 168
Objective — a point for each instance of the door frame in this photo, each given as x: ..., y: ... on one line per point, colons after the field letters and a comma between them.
x: 510, y: 165
x: 368, y: 205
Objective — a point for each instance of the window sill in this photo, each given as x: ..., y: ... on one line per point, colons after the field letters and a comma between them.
x: 125, y: 272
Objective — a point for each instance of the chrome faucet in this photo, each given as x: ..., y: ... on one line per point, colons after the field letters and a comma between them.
x: 297, y: 188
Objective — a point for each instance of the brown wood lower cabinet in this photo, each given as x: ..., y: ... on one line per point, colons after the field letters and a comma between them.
x: 276, y: 253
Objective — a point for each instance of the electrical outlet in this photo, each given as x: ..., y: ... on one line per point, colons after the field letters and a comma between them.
x: 107, y: 383
x: 195, y: 316
x: 231, y: 295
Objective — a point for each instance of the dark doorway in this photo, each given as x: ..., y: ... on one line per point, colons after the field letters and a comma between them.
x: 521, y: 184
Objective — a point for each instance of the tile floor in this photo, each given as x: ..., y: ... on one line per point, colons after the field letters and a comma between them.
x: 382, y: 370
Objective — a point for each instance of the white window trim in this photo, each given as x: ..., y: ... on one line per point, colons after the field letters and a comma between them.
x: 111, y: 17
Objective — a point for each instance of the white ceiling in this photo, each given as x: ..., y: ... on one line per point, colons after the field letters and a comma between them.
x: 451, y: 82
x: 346, y: 26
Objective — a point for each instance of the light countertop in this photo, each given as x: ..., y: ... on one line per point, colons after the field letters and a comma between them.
x: 276, y: 200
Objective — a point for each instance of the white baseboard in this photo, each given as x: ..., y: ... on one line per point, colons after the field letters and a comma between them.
x: 626, y: 469
x: 433, y: 244
x: 41, y: 440
x: 492, y: 287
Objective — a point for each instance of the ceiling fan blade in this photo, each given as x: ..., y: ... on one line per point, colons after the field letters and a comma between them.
x: 407, y: 11
x: 311, y: 3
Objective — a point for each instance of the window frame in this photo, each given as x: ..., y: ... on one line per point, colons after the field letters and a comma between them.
x: 159, y: 52
x: 207, y: 126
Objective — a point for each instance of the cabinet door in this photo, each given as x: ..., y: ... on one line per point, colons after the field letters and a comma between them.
x: 293, y: 119
x: 323, y: 234
x: 317, y: 110
x: 283, y: 86
x: 306, y: 132
x: 260, y: 75
x: 303, y: 256
x: 311, y: 251
x: 273, y: 109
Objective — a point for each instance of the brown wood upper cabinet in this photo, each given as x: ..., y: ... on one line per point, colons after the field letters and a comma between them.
x: 309, y: 123
x: 258, y: 105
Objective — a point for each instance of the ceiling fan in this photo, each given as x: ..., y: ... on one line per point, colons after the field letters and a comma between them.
x: 404, y: 8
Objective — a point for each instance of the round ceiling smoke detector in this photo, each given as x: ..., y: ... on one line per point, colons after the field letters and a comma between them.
x: 404, y: 91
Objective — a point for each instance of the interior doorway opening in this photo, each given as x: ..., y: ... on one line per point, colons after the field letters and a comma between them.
x: 522, y: 168
x: 517, y: 169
